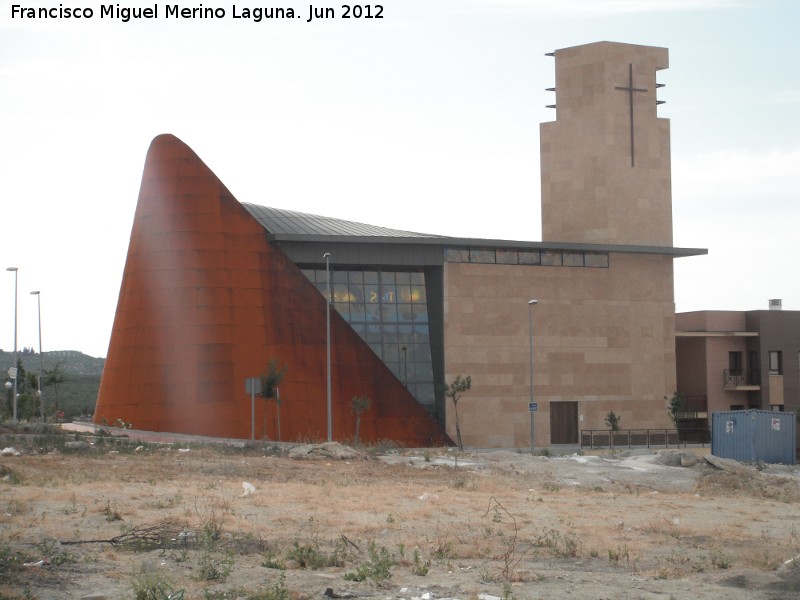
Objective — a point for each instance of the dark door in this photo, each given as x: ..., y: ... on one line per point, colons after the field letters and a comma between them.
x: 563, y: 422
x: 735, y: 363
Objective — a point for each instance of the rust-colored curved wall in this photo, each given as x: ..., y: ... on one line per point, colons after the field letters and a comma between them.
x: 206, y: 302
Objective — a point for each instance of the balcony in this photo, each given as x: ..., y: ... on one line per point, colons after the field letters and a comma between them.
x: 747, y: 380
x: 694, y: 412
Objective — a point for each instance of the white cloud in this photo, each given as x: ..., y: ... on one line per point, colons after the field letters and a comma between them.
x: 737, y: 173
x: 740, y: 203
x: 783, y: 97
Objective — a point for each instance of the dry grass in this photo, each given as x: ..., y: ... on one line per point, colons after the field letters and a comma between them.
x: 497, y: 525
x: 769, y: 487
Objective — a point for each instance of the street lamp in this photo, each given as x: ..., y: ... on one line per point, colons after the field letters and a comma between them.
x: 41, y: 356
x: 405, y: 366
x: 13, y: 371
x: 531, y: 304
x: 327, y: 257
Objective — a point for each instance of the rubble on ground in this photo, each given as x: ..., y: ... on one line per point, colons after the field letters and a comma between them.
x: 326, y: 451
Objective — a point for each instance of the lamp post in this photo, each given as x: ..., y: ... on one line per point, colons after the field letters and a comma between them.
x: 327, y: 257
x: 405, y: 366
x: 41, y: 356
x: 14, y: 371
x: 531, y: 304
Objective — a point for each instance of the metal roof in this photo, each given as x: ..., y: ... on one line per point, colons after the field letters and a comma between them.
x: 292, y: 226
x: 290, y: 222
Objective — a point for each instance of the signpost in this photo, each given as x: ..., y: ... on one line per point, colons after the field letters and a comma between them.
x: 533, y: 407
x: 252, y: 385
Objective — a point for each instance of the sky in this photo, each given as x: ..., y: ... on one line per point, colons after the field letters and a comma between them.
x: 426, y: 119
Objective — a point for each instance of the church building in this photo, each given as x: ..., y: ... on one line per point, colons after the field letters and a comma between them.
x: 553, y: 334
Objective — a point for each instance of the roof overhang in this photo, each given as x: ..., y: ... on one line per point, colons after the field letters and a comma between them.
x: 485, y: 243
x: 692, y: 334
x: 287, y: 226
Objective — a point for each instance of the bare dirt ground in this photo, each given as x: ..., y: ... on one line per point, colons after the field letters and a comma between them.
x: 386, y: 524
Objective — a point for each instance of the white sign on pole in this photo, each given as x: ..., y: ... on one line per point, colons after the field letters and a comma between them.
x: 252, y: 385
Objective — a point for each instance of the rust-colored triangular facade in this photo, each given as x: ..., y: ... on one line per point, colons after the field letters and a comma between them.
x: 206, y: 302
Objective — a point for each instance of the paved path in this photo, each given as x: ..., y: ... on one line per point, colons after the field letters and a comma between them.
x: 151, y: 436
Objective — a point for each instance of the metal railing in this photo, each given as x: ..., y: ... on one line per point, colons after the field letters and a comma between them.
x: 734, y: 378
x: 648, y: 438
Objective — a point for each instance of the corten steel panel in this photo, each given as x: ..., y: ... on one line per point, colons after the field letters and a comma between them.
x: 206, y: 302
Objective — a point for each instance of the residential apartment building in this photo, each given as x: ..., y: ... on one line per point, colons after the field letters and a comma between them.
x: 733, y: 360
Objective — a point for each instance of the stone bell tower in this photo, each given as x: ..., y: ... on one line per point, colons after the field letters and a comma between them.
x: 606, y: 174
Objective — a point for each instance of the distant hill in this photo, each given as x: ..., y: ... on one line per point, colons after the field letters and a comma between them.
x: 77, y: 393
x: 72, y: 361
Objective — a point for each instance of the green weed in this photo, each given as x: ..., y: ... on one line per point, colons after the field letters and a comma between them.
x: 150, y: 583
x: 9, y: 475
x: 278, y: 591
x: 378, y: 568
x: 271, y: 561
x: 310, y: 556
x: 214, y: 566
x: 719, y: 560
x: 111, y: 513
x: 619, y: 553
x: 419, y: 566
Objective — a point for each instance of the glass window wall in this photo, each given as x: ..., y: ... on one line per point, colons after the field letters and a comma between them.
x: 389, y: 311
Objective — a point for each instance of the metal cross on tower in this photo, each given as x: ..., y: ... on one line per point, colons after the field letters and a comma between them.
x: 630, y: 89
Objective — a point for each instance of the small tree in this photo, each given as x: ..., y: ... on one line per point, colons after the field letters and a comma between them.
x: 26, y: 401
x: 54, y: 377
x: 357, y: 406
x: 454, y: 390
x: 675, y: 407
x: 612, y: 422
x: 31, y: 393
x: 270, y: 380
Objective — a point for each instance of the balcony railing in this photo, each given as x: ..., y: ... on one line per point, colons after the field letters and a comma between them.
x: 648, y: 438
x: 734, y: 379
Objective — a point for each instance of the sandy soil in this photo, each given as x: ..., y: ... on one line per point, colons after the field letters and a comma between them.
x: 413, y: 524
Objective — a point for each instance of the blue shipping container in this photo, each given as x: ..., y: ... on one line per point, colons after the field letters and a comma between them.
x: 753, y: 435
